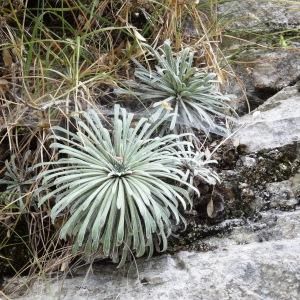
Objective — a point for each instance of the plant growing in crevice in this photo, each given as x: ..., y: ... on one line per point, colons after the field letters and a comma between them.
x: 197, y: 166
x: 19, y: 179
x: 191, y: 94
x: 121, y: 187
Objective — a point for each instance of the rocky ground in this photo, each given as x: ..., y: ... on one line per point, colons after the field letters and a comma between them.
x: 252, y: 254
x: 257, y: 260
x: 249, y: 248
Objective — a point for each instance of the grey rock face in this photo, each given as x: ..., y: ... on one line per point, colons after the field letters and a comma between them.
x: 245, y: 259
x: 271, y: 225
x: 235, y: 270
x: 259, y: 181
x: 281, y: 195
x: 261, y: 15
x: 265, y: 69
x: 274, y: 124
x: 264, y: 73
x: 276, y: 69
x: 295, y: 181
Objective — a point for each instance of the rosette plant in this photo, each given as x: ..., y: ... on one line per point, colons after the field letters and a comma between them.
x: 18, y: 179
x: 175, y: 85
x: 121, y: 187
x: 197, y: 165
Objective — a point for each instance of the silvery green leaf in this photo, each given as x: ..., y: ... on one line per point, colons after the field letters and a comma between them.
x: 120, y: 187
x: 197, y: 90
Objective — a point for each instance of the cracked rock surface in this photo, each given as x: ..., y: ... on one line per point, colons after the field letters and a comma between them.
x: 261, y: 15
x: 276, y: 123
x: 255, y: 261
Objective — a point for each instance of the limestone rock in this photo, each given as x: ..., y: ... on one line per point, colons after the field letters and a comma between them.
x: 281, y: 195
x: 295, y: 181
x: 246, y: 267
x: 260, y: 15
x: 264, y: 73
x: 272, y: 225
x: 274, y: 124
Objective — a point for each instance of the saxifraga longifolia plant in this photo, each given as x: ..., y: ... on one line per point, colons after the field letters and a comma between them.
x: 18, y: 179
x: 175, y: 85
x: 122, y: 187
